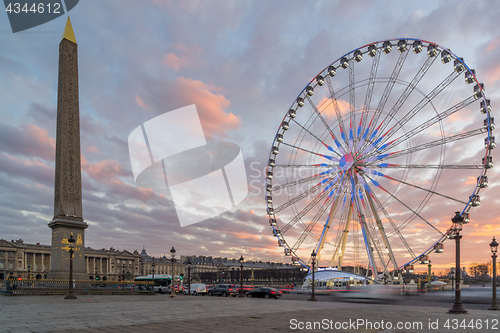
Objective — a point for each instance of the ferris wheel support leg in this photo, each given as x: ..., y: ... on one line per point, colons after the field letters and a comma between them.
x: 326, y: 229
x: 383, y: 234
x: 345, y: 234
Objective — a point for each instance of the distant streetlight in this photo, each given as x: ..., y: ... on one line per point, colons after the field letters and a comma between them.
x: 242, y: 293
x: 313, y: 297
x: 172, y: 255
x: 71, y: 246
x: 456, y: 227
x: 189, y: 276
x: 153, y: 270
x: 494, y: 249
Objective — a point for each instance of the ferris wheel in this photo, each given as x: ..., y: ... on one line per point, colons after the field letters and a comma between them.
x: 374, y: 152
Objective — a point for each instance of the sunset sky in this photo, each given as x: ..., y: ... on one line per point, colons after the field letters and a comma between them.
x: 242, y: 63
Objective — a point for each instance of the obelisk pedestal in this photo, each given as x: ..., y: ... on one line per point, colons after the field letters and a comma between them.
x: 68, y: 217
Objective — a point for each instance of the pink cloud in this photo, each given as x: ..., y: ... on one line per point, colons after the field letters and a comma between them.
x: 493, y: 44
x: 104, y: 170
x: 188, y: 56
x: 210, y: 104
x: 29, y: 140
x: 175, y: 62
x: 493, y: 75
x: 93, y: 149
x: 141, y: 102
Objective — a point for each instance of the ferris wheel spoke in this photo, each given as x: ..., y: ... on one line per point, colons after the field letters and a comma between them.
x: 377, y: 173
x: 335, y: 106
x: 450, y: 111
x: 312, y: 223
x: 325, y: 184
x: 352, y: 103
x: 299, y: 166
x: 310, y: 205
x: 299, y: 181
x: 375, y: 183
x: 333, y: 159
x: 393, y: 224
x: 390, y: 85
x: 423, y: 102
x: 431, y: 144
x: 409, y: 89
x: 369, y: 91
x: 430, y: 166
x: 339, y: 146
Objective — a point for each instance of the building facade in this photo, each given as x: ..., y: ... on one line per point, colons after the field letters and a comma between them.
x: 21, y: 260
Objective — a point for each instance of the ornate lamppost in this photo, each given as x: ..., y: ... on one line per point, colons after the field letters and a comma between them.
x: 71, y: 246
x: 242, y: 293
x: 429, y: 274
x: 172, y: 255
x: 494, y: 248
x: 457, y: 221
x: 313, y: 297
x: 189, y: 276
x: 153, y: 270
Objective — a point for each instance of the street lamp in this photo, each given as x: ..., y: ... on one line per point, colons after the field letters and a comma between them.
x: 429, y: 273
x: 153, y: 269
x: 494, y: 248
x: 172, y: 291
x: 242, y: 294
x: 189, y: 276
x: 71, y: 246
x: 456, y: 227
x: 313, y: 297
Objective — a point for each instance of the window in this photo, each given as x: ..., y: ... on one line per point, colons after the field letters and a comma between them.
x: 11, y: 265
x: 27, y: 255
x: 11, y: 254
x: 20, y: 264
x: 1, y: 264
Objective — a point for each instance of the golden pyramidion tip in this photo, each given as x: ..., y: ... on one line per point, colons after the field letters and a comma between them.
x: 68, y: 32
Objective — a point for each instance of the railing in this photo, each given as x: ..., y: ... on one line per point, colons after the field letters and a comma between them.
x: 61, y: 287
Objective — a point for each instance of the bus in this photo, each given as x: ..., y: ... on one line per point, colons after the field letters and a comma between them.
x: 162, y: 282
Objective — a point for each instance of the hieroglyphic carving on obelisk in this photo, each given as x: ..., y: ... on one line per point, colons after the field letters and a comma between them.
x: 68, y: 218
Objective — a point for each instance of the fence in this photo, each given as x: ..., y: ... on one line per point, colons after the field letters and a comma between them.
x: 61, y: 287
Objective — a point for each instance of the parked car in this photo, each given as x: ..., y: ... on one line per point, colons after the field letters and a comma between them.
x: 223, y: 290
x: 265, y: 292
x: 196, y: 289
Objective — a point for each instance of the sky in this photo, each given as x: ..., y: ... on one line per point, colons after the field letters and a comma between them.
x: 242, y: 63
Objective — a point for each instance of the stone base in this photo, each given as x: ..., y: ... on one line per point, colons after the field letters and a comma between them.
x: 62, y: 228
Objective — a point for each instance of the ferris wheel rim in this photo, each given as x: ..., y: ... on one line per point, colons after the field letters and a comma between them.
x: 303, y: 94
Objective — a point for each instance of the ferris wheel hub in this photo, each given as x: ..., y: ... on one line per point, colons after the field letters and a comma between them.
x: 346, y: 162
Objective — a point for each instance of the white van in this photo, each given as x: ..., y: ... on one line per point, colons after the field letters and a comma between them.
x: 196, y: 289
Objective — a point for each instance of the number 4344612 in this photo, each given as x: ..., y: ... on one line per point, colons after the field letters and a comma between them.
x: 455, y: 324
x: 36, y: 8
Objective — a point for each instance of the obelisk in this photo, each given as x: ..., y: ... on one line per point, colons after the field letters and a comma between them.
x: 68, y: 218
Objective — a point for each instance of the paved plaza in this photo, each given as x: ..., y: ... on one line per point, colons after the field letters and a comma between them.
x: 160, y: 313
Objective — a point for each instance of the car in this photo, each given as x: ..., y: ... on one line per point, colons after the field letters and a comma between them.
x: 224, y: 290
x: 246, y: 288
x: 265, y: 292
x: 196, y: 289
